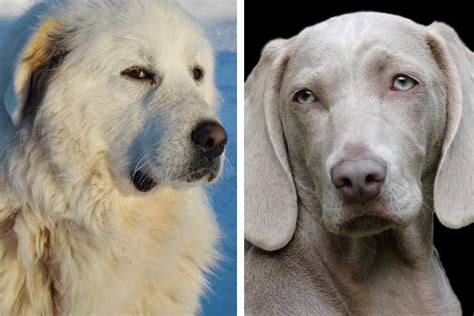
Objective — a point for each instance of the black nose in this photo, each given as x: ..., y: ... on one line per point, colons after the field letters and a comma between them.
x: 210, y: 137
x: 359, y: 181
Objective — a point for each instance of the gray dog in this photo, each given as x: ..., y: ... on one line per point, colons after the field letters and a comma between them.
x: 357, y: 130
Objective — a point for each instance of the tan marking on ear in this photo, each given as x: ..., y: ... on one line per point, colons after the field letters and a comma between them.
x: 39, y: 48
x: 36, y: 53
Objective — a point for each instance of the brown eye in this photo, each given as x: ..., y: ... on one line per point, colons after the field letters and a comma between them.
x: 198, y: 73
x: 139, y: 74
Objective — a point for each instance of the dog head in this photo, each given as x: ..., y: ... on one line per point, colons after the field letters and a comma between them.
x: 130, y: 83
x: 361, y: 110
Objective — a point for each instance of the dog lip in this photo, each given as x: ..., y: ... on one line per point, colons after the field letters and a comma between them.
x: 212, y: 176
x: 143, y: 182
x: 210, y: 173
x: 201, y: 173
x: 368, y: 219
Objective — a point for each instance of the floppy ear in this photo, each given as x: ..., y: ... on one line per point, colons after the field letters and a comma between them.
x: 454, y: 183
x: 36, y: 64
x: 270, y: 196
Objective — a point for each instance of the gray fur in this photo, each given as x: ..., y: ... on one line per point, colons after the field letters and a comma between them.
x: 305, y: 257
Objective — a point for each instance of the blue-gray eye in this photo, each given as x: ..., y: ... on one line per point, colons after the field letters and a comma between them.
x: 304, y: 96
x: 403, y: 83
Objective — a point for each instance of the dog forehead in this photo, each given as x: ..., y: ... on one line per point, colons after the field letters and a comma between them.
x: 157, y: 31
x: 160, y: 41
x: 163, y: 20
x: 352, y: 35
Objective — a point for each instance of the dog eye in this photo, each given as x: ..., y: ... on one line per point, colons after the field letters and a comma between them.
x: 304, y: 96
x: 403, y: 83
x: 198, y: 73
x: 139, y: 74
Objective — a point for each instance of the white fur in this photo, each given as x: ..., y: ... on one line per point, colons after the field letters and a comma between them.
x: 76, y: 238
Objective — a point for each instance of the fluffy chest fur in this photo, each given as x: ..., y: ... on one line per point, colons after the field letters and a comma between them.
x: 127, y: 255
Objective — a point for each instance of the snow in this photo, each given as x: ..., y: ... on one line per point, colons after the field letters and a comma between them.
x: 218, y: 17
x: 12, y: 8
x: 211, y: 9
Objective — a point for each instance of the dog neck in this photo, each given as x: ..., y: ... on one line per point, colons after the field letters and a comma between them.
x: 367, y: 269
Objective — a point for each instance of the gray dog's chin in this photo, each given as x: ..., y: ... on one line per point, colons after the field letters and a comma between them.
x: 365, y: 220
x: 364, y: 226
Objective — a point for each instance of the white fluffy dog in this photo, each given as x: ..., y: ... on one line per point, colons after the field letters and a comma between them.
x: 107, y: 135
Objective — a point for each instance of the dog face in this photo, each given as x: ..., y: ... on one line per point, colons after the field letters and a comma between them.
x: 131, y: 90
x: 364, y: 121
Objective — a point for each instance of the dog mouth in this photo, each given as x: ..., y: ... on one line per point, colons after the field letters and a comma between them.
x: 202, y: 169
x: 367, y: 225
x: 358, y: 220
x: 144, y: 182
x: 210, y: 173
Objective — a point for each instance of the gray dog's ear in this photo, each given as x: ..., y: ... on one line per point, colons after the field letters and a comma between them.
x: 36, y: 64
x: 454, y: 184
x: 270, y: 196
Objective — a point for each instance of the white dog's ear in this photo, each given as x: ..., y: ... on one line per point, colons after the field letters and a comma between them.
x: 35, y: 66
x: 270, y: 196
x: 454, y: 183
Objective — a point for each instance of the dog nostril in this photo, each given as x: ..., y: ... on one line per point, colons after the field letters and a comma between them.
x: 210, y: 143
x: 210, y: 137
x: 376, y: 177
x: 369, y: 179
x: 346, y: 182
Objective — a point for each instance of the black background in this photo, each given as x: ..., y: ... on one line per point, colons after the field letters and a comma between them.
x: 284, y: 19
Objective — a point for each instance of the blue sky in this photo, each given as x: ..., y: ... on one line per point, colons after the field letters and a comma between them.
x: 221, y: 297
